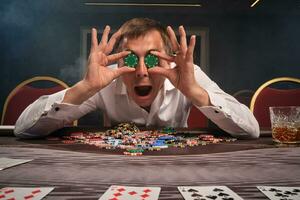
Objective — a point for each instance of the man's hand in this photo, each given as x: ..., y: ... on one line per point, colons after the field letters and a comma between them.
x: 98, y: 75
x: 182, y: 75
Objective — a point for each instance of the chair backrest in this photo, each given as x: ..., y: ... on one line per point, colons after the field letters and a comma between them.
x: 25, y: 93
x: 267, y: 95
x: 244, y: 96
x: 197, y: 119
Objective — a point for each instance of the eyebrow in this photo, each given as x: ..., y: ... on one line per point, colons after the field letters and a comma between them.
x: 152, y: 50
x: 127, y: 49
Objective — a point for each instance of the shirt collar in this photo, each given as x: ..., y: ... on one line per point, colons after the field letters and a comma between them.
x: 120, y: 87
x: 168, y: 85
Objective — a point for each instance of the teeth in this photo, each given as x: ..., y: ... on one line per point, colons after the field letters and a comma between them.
x: 143, y: 90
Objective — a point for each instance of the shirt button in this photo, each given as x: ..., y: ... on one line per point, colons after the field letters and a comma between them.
x: 44, y: 114
x: 56, y: 109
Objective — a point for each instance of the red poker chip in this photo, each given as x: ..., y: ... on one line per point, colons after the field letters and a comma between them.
x: 206, y: 136
x: 68, y: 141
x: 76, y: 134
x: 95, y: 139
x: 207, y: 139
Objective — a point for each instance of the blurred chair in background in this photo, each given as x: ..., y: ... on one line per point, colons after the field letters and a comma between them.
x: 282, y: 91
x: 197, y: 119
x: 27, y: 92
x: 244, y: 96
x: 92, y: 119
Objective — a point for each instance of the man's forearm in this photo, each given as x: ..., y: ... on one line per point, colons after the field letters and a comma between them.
x: 198, y: 96
x: 79, y: 93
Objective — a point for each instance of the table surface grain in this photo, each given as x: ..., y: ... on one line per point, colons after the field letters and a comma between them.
x: 78, y: 172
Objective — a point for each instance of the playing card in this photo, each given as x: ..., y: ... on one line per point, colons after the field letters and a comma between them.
x: 280, y: 193
x: 117, y: 192
x: 21, y: 193
x: 208, y: 193
x: 9, y: 162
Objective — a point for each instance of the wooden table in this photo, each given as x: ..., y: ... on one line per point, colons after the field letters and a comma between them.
x: 79, y: 172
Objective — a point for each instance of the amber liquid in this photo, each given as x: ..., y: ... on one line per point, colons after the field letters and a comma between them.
x: 286, y: 134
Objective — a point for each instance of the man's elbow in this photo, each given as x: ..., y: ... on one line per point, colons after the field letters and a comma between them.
x: 24, y: 134
x: 35, y: 131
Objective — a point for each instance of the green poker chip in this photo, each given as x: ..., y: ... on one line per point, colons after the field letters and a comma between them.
x: 131, y: 60
x: 151, y: 60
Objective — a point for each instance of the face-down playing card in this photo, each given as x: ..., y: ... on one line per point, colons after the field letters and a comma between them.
x: 10, y: 162
x: 24, y: 193
x: 280, y: 193
x: 208, y: 193
x: 117, y: 192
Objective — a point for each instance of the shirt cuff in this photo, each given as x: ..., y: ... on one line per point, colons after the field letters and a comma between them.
x: 55, y: 98
x: 221, y: 115
x: 218, y: 108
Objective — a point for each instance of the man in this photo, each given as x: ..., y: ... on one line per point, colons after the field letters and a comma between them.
x: 157, y: 96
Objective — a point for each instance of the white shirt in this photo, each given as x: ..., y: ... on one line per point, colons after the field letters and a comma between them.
x: 170, y: 108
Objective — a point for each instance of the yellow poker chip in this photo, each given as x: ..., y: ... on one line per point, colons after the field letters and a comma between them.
x: 151, y: 60
x: 131, y: 60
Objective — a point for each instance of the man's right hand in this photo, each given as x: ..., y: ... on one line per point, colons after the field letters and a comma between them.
x: 98, y: 75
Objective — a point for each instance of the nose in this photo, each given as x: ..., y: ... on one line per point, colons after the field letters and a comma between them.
x: 141, y: 70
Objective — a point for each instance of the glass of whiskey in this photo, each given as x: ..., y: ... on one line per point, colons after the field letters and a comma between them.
x: 285, y: 124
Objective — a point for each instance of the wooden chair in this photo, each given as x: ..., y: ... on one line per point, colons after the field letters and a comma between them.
x: 288, y: 94
x: 26, y: 93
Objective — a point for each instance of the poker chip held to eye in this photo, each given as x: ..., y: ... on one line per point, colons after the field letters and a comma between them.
x: 131, y: 60
x: 151, y: 60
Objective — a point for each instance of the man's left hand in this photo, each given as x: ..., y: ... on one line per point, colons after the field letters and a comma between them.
x: 182, y: 75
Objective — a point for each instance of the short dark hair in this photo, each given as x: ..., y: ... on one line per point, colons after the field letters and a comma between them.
x: 137, y: 27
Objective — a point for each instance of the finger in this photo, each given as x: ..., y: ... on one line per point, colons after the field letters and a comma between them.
x: 122, y: 70
x: 112, y: 42
x: 160, y: 71
x: 183, y: 43
x: 163, y: 56
x: 190, y: 51
x: 114, y: 57
x: 172, y: 35
x: 104, y: 38
x: 102, y: 59
x: 94, y: 41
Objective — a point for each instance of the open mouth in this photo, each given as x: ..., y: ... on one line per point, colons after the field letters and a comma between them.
x: 142, y: 90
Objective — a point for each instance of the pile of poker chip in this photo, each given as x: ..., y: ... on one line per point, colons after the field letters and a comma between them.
x: 134, y: 142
